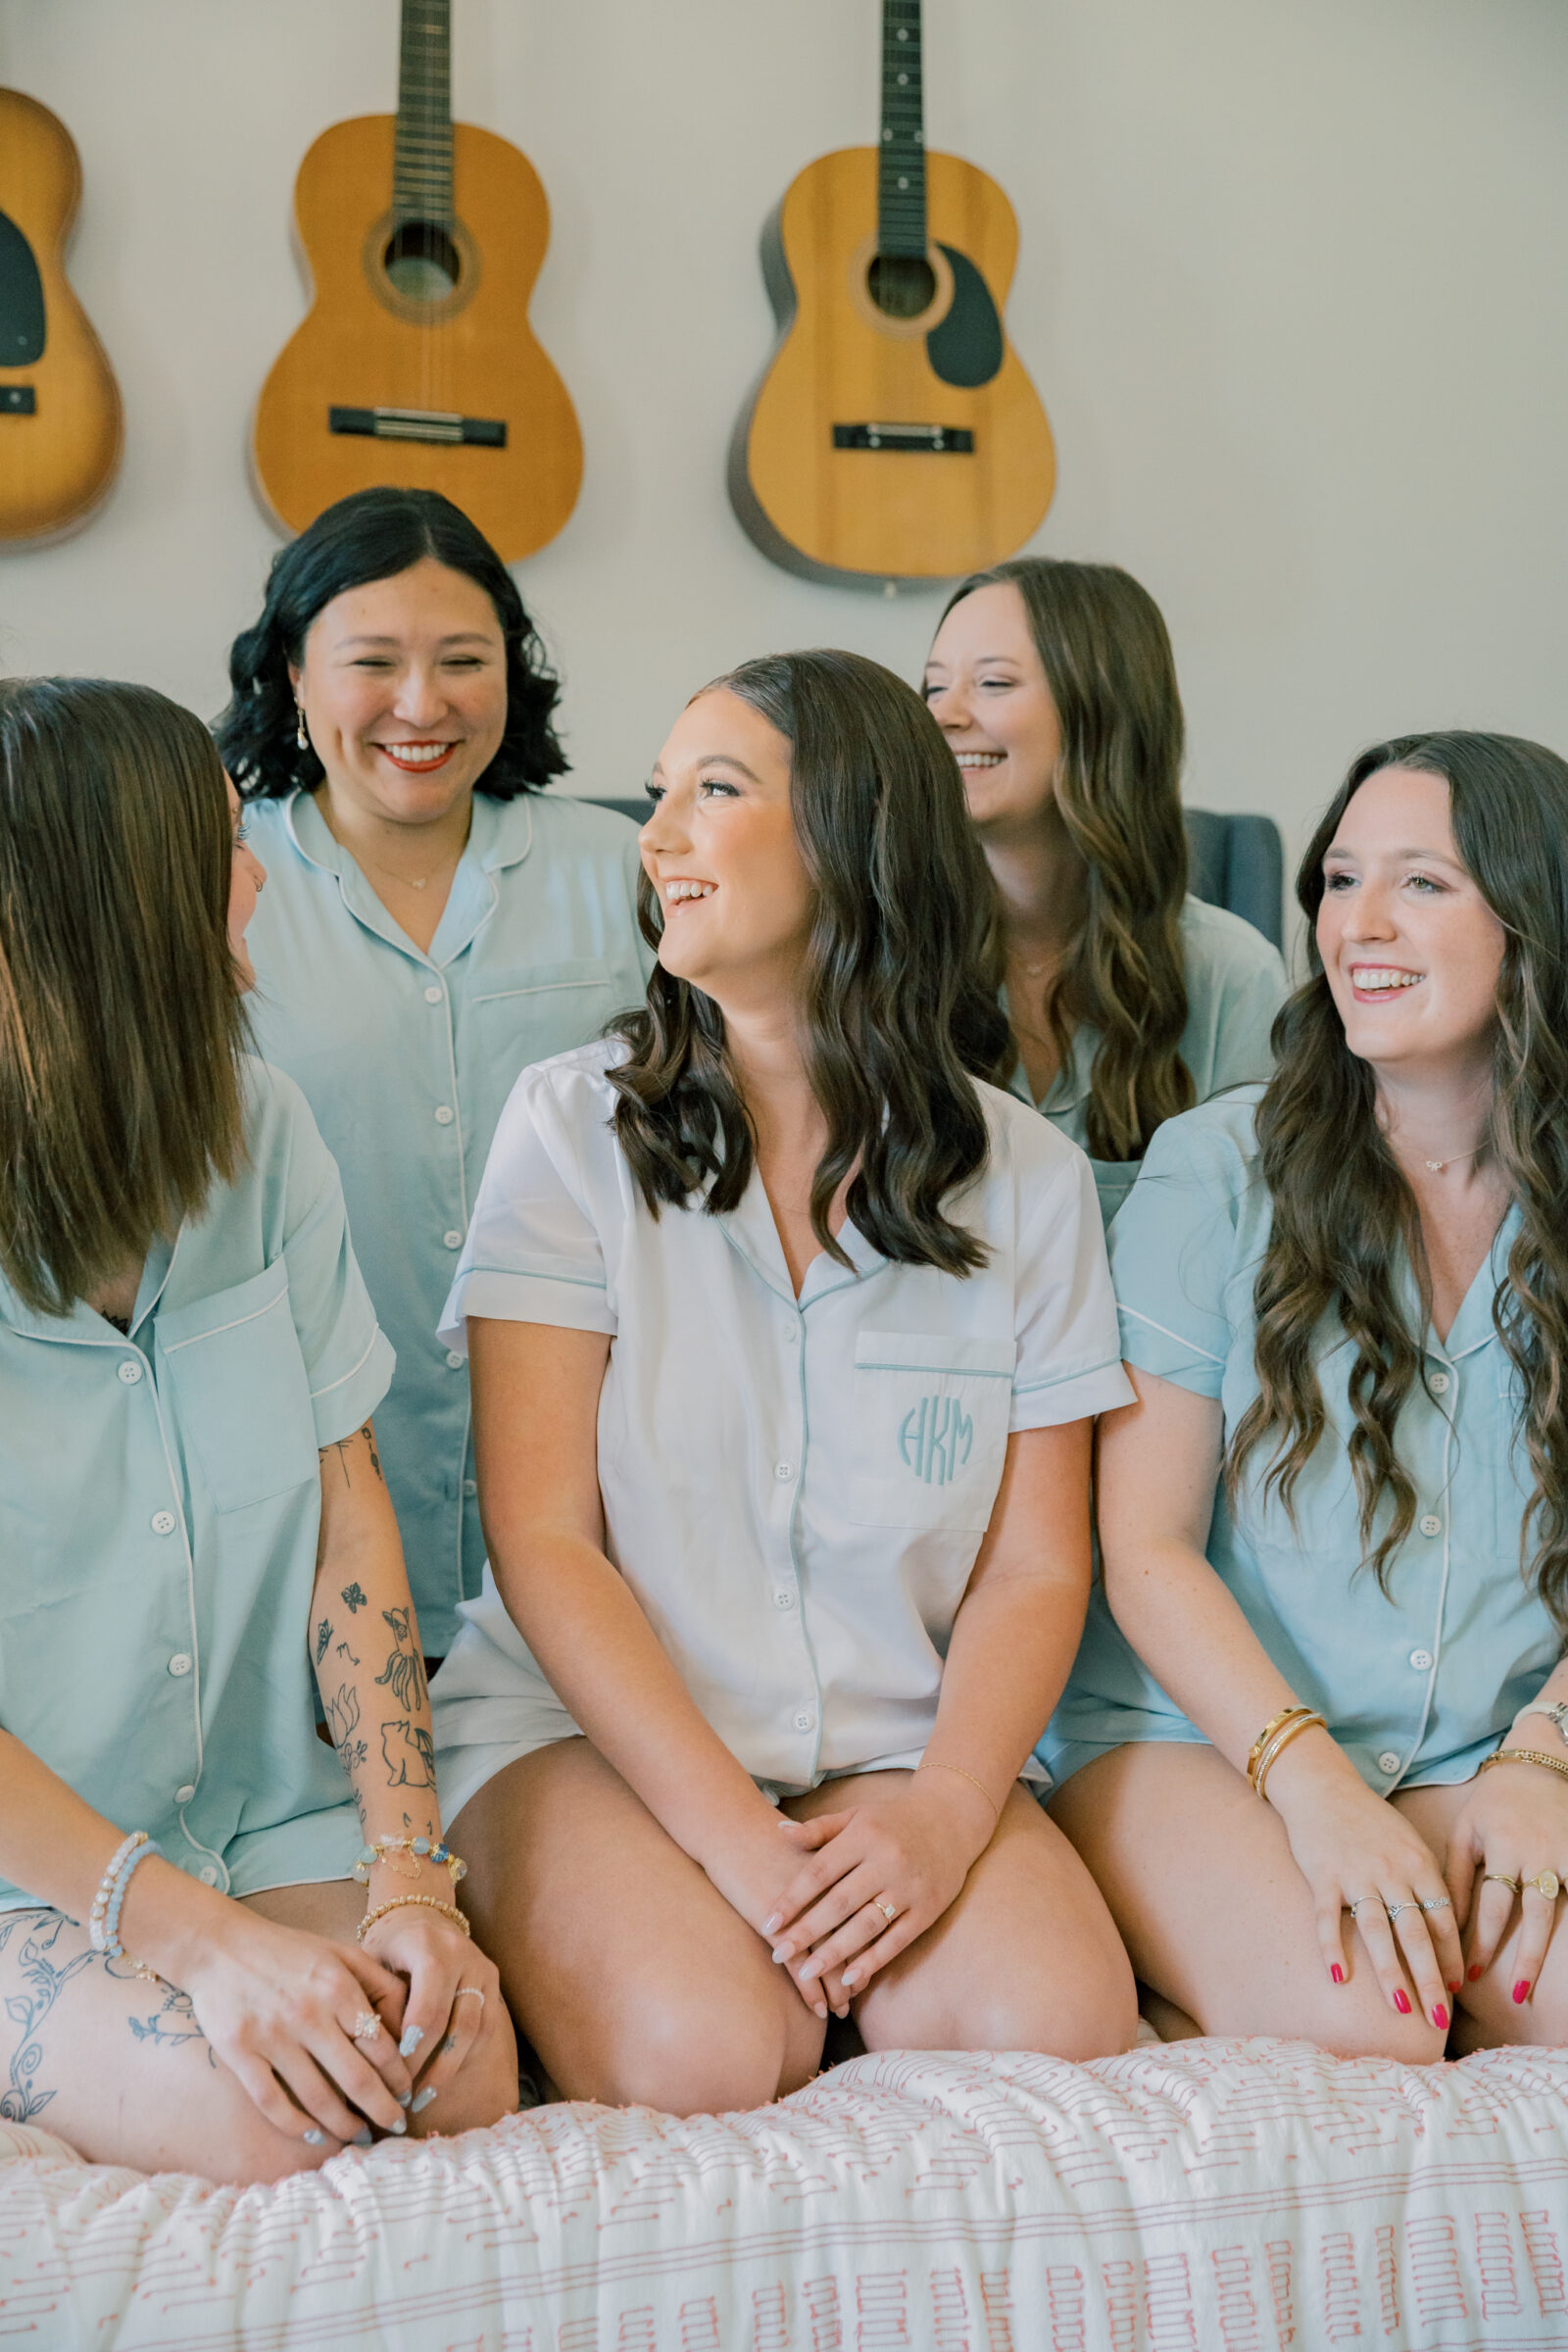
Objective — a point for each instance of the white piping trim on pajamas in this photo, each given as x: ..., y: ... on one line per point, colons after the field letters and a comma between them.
x: 238, y: 1324
x: 1180, y: 1336
x: 583, y: 1282
x: 540, y: 988
x: 879, y: 1364
x: 1060, y: 1379
x: 353, y: 1368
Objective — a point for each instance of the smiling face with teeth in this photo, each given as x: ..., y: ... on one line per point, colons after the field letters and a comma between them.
x: 402, y: 683
x: 721, y: 850
x: 986, y: 689
x: 1410, y: 949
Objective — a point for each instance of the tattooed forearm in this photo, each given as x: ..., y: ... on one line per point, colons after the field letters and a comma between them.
x: 368, y: 1434
x: 323, y: 1635
x: 342, y: 1714
x: 352, y: 1599
x: 340, y: 1447
x: 404, y: 1672
x: 409, y: 1755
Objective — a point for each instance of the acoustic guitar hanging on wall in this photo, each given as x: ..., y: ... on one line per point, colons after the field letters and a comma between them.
x: 61, y: 427
x: 894, y: 435
x: 416, y: 364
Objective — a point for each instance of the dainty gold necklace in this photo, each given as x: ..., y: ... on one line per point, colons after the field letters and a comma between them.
x: 1437, y: 1166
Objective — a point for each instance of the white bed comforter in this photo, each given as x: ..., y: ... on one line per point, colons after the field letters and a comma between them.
x: 1222, y: 2196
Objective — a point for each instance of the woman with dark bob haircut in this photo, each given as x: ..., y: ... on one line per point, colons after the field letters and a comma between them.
x: 787, y: 1337
x: 1129, y: 999
x: 1334, y: 1524
x: 192, y: 1517
x: 435, y: 922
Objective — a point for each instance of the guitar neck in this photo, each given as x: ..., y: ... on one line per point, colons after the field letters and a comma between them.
x: 901, y: 175
x: 421, y: 167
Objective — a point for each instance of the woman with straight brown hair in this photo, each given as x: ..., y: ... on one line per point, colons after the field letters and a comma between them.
x: 1129, y: 999
x: 787, y: 1335
x: 192, y: 1517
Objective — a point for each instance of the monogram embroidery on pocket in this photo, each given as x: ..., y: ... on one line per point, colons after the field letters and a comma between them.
x: 934, y: 1438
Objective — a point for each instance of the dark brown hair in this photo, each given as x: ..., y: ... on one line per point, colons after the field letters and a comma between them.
x: 898, y: 993
x: 1342, y: 1213
x: 1107, y: 655
x: 373, y: 535
x: 121, y: 1021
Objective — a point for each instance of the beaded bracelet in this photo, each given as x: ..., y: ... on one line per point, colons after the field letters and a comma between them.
x: 381, y: 1849
x: 106, y: 1886
x: 405, y: 1902
x: 103, y: 1924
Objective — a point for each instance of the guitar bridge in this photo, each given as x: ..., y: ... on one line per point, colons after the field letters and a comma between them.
x: 419, y: 424
x: 933, y: 440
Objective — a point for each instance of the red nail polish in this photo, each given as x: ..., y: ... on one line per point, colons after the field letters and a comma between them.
x: 1475, y: 1971
x: 1439, y: 2017
x: 1336, y: 1973
x: 1521, y: 1992
x: 1454, y: 1987
x: 1402, y: 2003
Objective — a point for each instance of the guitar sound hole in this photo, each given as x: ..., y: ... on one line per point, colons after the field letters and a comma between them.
x: 902, y: 284
x: 423, y: 262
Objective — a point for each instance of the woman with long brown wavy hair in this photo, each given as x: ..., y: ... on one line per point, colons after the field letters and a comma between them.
x: 1129, y: 999
x: 1334, y: 1524
x: 787, y: 1334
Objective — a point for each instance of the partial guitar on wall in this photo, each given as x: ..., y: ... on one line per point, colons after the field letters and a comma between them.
x: 894, y: 436
x: 418, y: 365
x: 60, y: 425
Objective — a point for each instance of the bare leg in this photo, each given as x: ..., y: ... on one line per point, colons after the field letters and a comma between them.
x: 630, y: 1973
x: 1487, y: 2013
x: 485, y: 2086
x: 1214, y: 1910
x: 1026, y: 1959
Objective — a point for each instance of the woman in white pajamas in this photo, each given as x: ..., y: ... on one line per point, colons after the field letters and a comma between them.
x: 786, y: 1337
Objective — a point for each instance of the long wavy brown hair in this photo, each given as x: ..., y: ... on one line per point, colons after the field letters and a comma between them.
x: 898, y: 991
x: 1107, y: 655
x: 1342, y: 1213
x: 122, y: 1026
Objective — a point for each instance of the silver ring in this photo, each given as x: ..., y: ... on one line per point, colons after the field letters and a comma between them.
x: 1394, y: 1909
x: 475, y: 1989
x: 889, y: 1911
x: 367, y: 2025
x: 1354, y: 1907
x: 1440, y: 1902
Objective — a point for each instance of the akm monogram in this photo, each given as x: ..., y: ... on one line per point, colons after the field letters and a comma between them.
x: 934, y: 1438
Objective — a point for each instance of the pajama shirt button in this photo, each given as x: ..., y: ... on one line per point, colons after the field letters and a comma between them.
x: 444, y: 1114
x: 783, y: 1469
x: 452, y: 1239
x: 453, y: 1359
x: 805, y: 1723
x: 1388, y: 1762
x: 179, y: 1663
x: 432, y: 994
x: 130, y: 1371
x: 792, y: 1334
x: 1431, y: 1524
x: 208, y: 1875
x: 1439, y: 1384
x: 783, y: 1600
x: 471, y: 1485
x: 164, y: 1523
x: 182, y: 1797
x: 1421, y: 1659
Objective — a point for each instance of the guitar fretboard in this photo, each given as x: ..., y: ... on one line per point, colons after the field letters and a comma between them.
x: 421, y: 169
x: 900, y: 178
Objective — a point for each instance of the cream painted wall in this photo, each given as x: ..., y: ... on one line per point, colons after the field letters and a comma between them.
x: 1294, y: 285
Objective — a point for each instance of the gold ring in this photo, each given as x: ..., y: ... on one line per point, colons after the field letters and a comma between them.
x: 1547, y: 1883
x: 367, y: 2025
x: 889, y: 1911
x: 475, y: 1989
x: 1499, y: 1877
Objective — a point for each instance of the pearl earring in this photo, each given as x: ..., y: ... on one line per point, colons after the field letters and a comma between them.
x: 300, y: 736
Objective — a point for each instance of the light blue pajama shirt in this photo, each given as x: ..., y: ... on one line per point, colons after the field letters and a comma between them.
x: 406, y: 1059
x: 160, y: 1505
x: 1417, y: 1686
x: 1235, y: 986
x: 795, y: 1488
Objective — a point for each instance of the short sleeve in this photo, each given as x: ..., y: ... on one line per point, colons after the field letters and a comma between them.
x: 1069, y: 1358
x: 1176, y: 1246
x: 1249, y: 989
x: 348, y: 1358
x: 533, y: 1252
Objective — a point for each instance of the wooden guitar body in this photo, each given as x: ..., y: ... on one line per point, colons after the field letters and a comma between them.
x: 368, y: 347
x: 60, y: 427
x: 815, y: 484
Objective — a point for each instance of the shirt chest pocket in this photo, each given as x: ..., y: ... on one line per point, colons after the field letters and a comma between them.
x: 529, y: 1012
x: 929, y: 1429
x: 242, y: 1391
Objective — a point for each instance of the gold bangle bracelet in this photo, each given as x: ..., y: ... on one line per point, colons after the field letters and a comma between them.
x: 1308, y: 1720
x: 934, y: 1766
x: 1524, y: 1755
x: 1255, y: 1754
x: 407, y: 1903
